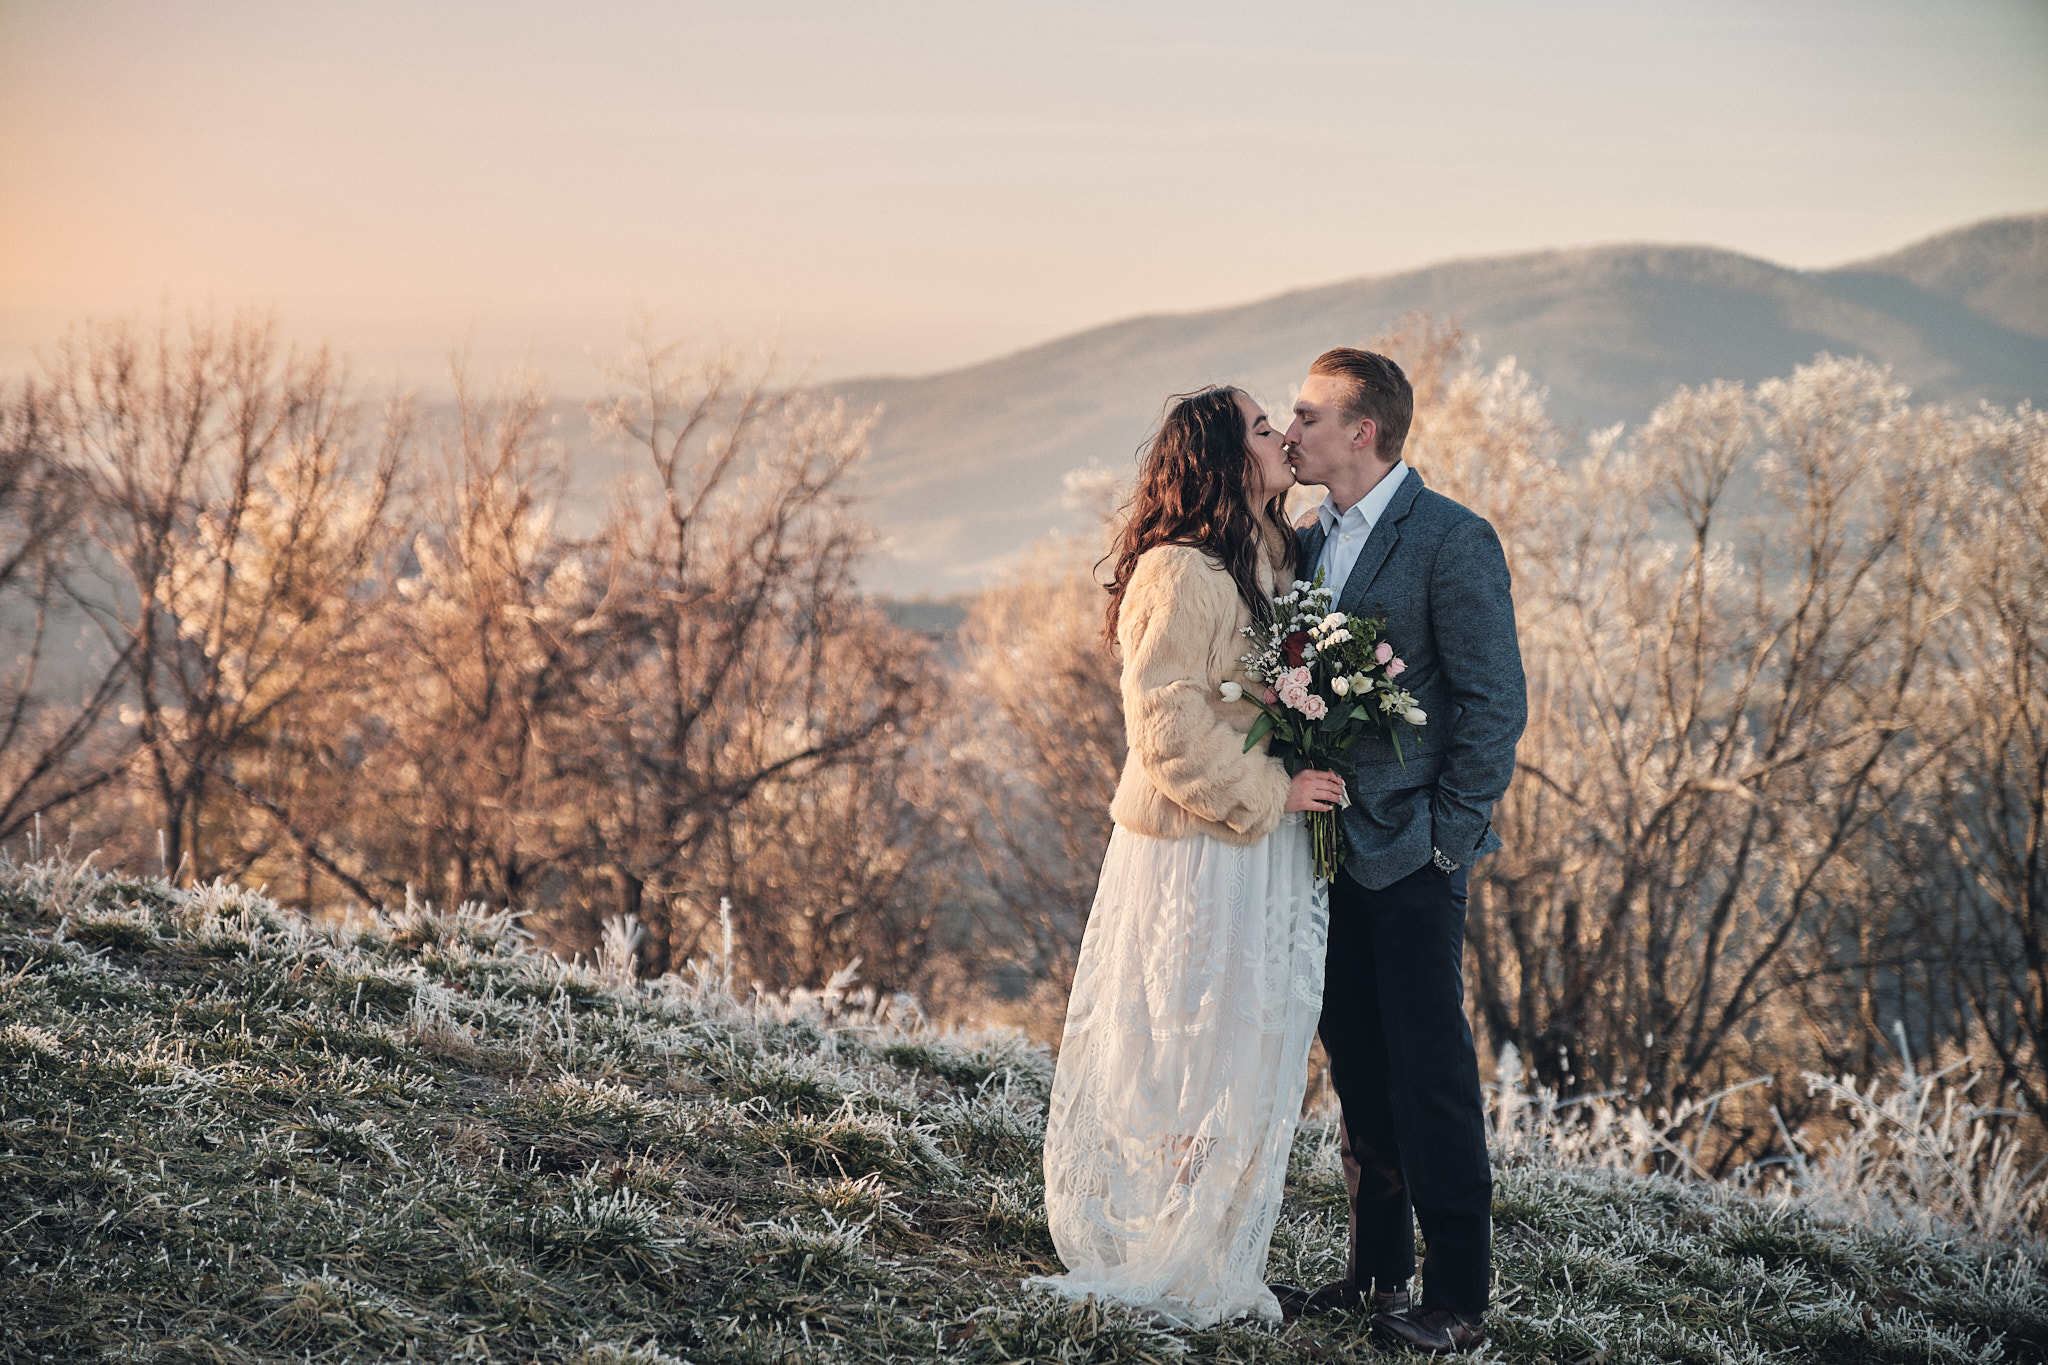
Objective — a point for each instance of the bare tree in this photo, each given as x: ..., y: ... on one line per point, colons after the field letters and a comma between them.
x: 1970, y: 850
x: 755, y: 673
x: 1720, y: 698
x: 237, y: 505
x: 692, y: 707
x: 472, y: 710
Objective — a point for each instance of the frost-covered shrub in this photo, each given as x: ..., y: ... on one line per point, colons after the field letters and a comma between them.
x: 798, y: 1253
x: 129, y: 927
x: 1921, y: 1157
x: 804, y: 1084
x: 26, y: 1043
x: 599, y: 1225
x: 1915, y: 1155
x: 850, y: 1144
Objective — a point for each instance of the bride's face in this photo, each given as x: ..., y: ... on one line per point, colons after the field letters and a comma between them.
x: 1270, y: 474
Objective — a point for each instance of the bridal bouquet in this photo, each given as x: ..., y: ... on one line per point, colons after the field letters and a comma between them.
x: 1325, y: 680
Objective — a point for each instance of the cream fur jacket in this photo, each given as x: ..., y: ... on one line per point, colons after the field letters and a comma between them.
x: 1187, y: 772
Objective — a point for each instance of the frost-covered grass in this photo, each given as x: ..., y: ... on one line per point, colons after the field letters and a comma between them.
x: 228, y: 1135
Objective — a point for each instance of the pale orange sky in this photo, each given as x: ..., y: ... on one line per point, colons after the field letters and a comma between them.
x: 905, y: 187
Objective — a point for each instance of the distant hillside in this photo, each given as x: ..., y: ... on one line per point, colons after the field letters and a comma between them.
x: 1995, y: 269
x: 968, y: 464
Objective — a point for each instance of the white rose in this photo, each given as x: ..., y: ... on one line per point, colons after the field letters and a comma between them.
x: 1417, y: 716
x: 1232, y: 692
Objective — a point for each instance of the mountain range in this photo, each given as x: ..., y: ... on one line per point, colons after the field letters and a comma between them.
x: 968, y: 465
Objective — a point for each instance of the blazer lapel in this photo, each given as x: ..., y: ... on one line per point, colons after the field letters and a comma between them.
x: 1386, y: 534
x: 1311, y: 539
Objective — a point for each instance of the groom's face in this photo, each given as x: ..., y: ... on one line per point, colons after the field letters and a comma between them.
x: 1322, y: 438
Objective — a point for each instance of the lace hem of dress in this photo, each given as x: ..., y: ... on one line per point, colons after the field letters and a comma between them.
x: 1181, y: 1072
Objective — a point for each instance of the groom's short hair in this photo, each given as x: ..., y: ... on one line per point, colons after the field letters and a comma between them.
x: 1378, y: 390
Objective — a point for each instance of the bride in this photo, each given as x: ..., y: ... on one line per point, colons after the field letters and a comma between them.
x: 1184, y: 1057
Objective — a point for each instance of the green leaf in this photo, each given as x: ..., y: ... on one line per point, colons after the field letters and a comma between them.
x: 1261, y: 727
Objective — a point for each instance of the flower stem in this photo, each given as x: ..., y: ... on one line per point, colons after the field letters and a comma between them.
x: 1325, y: 840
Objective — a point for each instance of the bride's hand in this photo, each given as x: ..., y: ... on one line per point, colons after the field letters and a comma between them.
x: 1314, y: 789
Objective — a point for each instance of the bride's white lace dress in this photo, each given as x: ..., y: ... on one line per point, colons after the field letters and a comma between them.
x: 1181, y: 1072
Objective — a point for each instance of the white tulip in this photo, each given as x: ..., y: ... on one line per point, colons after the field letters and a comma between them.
x: 1417, y: 716
x: 1232, y: 692
x: 1341, y: 686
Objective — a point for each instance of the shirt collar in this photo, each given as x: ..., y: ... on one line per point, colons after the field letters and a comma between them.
x: 1367, y: 509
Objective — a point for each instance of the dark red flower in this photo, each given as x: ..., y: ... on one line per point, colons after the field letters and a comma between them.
x: 1292, y: 647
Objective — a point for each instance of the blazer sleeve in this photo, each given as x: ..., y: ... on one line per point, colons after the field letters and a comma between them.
x: 1176, y: 607
x: 1472, y: 613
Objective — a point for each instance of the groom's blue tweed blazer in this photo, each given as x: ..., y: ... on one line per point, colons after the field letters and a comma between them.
x: 1436, y: 571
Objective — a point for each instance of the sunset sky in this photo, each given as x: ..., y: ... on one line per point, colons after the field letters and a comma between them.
x: 893, y: 187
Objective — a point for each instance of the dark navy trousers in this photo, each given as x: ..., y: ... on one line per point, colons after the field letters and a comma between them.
x: 1407, y: 1079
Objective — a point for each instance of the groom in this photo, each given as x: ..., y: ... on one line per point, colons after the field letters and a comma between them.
x: 1401, y: 1055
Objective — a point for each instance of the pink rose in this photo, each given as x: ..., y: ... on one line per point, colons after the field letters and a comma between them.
x: 1315, y: 708
x: 1295, y: 696
x: 1396, y: 669
x: 1384, y: 652
x: 1301, y: 677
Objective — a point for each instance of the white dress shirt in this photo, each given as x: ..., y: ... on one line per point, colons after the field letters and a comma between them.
x: 1344, y: 533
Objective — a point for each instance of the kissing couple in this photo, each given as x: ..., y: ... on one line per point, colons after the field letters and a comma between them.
x: 1214, y: 953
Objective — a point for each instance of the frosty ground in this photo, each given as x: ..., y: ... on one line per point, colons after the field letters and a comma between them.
x: 229, y: 1134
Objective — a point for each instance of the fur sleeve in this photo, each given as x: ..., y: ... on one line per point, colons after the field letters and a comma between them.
x: 1178, y: 608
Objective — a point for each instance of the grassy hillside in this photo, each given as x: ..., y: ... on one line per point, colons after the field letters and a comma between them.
x: 226, y: 1135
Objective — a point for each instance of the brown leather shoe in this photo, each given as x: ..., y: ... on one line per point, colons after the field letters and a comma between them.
x: 1433, y: 1331
x: 1339, y: 1296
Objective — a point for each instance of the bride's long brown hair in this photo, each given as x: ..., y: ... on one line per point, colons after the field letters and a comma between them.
x: 1193, y: 477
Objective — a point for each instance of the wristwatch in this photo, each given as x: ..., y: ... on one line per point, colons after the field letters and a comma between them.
x: 1442, y: 861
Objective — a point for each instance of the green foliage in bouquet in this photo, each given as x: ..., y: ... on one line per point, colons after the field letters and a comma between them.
x: 1326, y: 681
